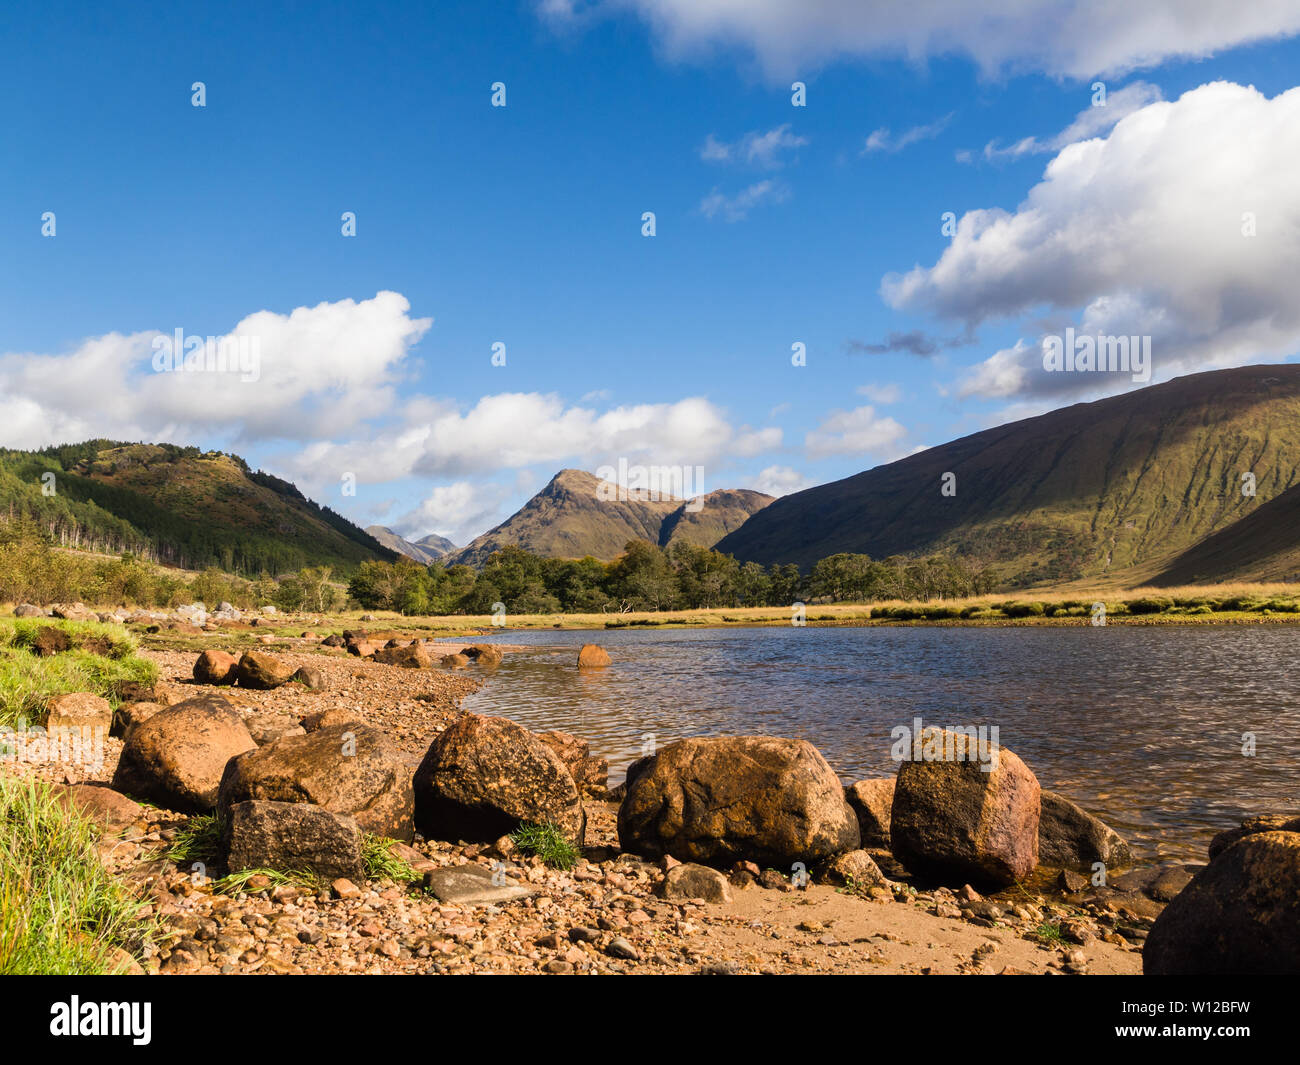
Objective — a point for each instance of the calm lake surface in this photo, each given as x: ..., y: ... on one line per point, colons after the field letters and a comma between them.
x: 1140, y: 725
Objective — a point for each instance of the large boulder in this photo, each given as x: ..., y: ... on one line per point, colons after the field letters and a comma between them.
x: 347, y: 768
x: 954, y: 821
x: 79, y: 710
x: 177, y: 756
x: 483, y: 776
x: 592, y: 656
x: 1251, y: 826
x: 292, y: 837
x: 216, y: 667
x: 1240, y: 915
x: 412, y: 656
x: 1071, y: 838
x: 588, y: 772
x: 109, y: 811
x: 719, y: 800
x: 873, y: 802
x: 130, y: 716
x: 262, y: 671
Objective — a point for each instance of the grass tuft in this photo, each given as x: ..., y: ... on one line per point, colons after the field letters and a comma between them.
x: 548, y: 843
x: 382, y: 864
x: 61, y: 912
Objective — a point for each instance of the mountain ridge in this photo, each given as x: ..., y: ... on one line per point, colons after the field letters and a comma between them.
x: 1079, y: 491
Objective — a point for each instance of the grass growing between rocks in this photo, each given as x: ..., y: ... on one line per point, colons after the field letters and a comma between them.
x: 233, y: 883
x: 199, y: 841
x: 548, y: 843
x: 61, y: 913
x: 1048, y: 933
x: 100, y: 660
x: 382, y: 864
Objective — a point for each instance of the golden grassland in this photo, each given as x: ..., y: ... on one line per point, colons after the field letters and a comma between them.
x: 825, y: 614
x: 1237, y: 603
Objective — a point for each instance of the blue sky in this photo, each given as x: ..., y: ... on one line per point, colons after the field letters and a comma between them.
x: 522, y: 225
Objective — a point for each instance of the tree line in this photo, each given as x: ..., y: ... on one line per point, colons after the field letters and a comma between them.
x: 647, y: 577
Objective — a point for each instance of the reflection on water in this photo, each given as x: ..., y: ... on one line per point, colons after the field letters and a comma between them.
x: 1142, y: 726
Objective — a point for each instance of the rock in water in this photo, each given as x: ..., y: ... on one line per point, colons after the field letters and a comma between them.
x: 412, y: 656
x: 483, y: 653
x: 954, y: 821
x: 592, y: 656
x: 292, y: 837
x: 262, y: 671
x: 1251, y: 826
x: 1240, y: 915
x: 1071, y: 838
x: 216, y: 667
x: 873, y: 802
x: 177, y: 756
x: 483, y: 776
x: 769, y: 800
x: 348, y: 769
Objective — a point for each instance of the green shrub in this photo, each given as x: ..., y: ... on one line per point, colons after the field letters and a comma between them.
x: 1151, y: 604
x: 1024, y: 610
x: 382, y: 864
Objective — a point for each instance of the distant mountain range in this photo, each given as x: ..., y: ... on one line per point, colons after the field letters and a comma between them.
x: 1148, y: 483
x: 1145, y: 487
x: 426, y: 549
x: 573, y: 517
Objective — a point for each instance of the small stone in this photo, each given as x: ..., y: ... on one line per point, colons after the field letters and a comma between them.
x: 621, y: 948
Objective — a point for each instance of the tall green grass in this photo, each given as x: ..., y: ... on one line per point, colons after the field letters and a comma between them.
x: 61, y: 912
x: 28, y: 682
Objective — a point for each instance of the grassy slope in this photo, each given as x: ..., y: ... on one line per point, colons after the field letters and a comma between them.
x: 1262, y: 546
x: 1081, y: 492
x: 213, y: 490
x: 720, y: 512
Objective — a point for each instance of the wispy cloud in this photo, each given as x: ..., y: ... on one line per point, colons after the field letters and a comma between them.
x: 1092, y: 121
x: 735, y: 207
x: 753, y: 149
x: 881, y: 140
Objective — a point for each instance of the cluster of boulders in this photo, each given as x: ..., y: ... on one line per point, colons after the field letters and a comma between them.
x: 189, y: 616
x: 393, y: 650
x: 304, y: 798
x: 253, y: 669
